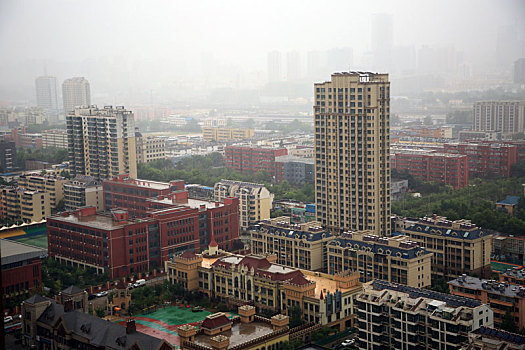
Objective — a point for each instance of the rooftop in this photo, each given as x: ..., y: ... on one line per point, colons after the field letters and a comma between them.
x: 240, y: 333
x: 13, y: 252
x: 141, y: 183
x: 294, y: 159
x: 501, y: 335
x: 492, y: 286
x: 440, y: 226
x: 510, y: 200
x: 103, y: 222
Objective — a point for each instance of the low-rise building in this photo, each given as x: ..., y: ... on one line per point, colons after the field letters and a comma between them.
x: 394, y: 316
x: 83, y: 191
x: 54, y: 138
x: 295, y: 170
x: 251, y: 159
x: 301, y: 246
x: 503, y: 297
x: 508, y: 204
x: 487, y: 338
x: 223, y: 134
x: 255, y: 280
x: 458, y: 247
x: 52, y: 184
x: 149, y: 148
x: 25, y: 205
x: 21, y: 268
x: 393, y: 259
x: 255, y: 201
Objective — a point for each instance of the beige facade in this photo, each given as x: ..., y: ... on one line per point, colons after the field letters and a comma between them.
x: 101, y: 142
x: 352, y: 152
x: 393, y: 259
x: 83, y: 191
x: 54, y: 138
x: 226, y: 134
x: 25, y: 205
x: 503, y: 116
x: 76, y: 92
x: 150, y: 148
x: 51, y: 184
x: 459, y: 246
x: 301, y: 246
x: 255, y: 201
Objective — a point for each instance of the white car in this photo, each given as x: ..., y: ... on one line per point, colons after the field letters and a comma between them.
x: 348, y: 342
x: 8, y: 319
x: 102, y: 294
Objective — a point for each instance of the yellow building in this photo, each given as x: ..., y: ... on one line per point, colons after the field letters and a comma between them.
x: 25, y: 205
x: 458, y: 246
x: 296, y: 245
x: 256, y: 280
x: 150, y: 148
x: 226, y: 134
x: 394, y: 259
x: 255, y: 201
x: 50, y: 183
x: 352, y: 152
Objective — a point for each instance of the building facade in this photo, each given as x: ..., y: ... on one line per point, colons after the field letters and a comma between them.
x: 255, y: 201
x: 51, y: 184
x: 46, y: 94
x: 7, y: 156
x: 502, y: 297
x: 150, y: 148
x: 75, y: 93
x: 54, y: 138
x: 504, y: 116
x: 352, y: 152
x: 450, y: 169
x: 301, y: 246
x: 295, y: 170
x: 393, y: 316
x: 25, y: 205
x: 222, y: 134
x: 392, y: 259
x: 249, y: 159
x: 458, y: 247
x: 83, y: 191
x: 101, y: 142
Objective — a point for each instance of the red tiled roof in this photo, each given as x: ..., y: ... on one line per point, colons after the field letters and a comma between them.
x: 256, y: 263
x: 188, y: 254
x: 298, y: 279
x: 215, y: 321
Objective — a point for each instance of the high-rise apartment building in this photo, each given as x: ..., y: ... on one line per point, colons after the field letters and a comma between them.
x: 274, y: 67
x: 519, y: 71
x: 101, y: 142
x: 504, y: 116
x: 352, y: 152
x: 75, y: 92
x: 46, y: 94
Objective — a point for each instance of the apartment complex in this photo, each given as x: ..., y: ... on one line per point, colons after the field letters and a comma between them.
x: 21, y: 268
x: 392, y: 259
x: 51, y: 184
x: 101, y: 142
x: 7, y: 156
x: 295, y: 170
x: 300, y: 246
x: 75, y: 93
x: 150, y: 148
x: 256, y: 280
x: 19, y: 204
x: 486, y: 159
x: 54, y: 138
x: 393, y: 316
x: 255, y: 201
x: 502, y: 297
x: 251, y: 159
x: 222, y: 134
x: 352, y: 152
x: 450, y: 169
x: 504, y: 116
x: 458, y: 247
x: 83, y: 191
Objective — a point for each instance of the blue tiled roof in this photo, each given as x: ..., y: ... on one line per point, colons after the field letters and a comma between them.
x: 406, y: 253
x: 289, y: 232
x: 510, y: 200
x: 446, y: 231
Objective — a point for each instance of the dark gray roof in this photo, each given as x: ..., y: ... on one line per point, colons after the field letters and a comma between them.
x: 405, y: 253
x: 36, y: 299
x: 72, y: 290
x: 13, y: 252
x: 446, y: 231
x: 98, y: 332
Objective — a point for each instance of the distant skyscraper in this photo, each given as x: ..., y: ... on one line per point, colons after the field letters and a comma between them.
x: 382, y: 40
x: 339, y: 59
x: 274, y: 66
x: 46, y: 94
x: 75, y: 92
x: 352, y: 152
x: 101, y: 142
x: 313, y: 64
x: 519, y: 71
x: 293, y: 66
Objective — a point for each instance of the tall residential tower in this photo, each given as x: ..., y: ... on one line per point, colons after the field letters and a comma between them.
x: 46, y: 94
x: 75, y: 92
x: 352, y: 152
x: 101, y: 142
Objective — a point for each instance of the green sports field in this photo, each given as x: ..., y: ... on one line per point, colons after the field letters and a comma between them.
x: 39, y: 241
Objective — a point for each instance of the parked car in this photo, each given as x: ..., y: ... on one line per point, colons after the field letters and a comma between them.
x: 102, y: 294
x: 8, y: 319
x: 139, y: 283
x: 348, y: 342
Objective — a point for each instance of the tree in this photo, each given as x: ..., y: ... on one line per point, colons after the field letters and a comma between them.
x: 100, y: 313
x: 428, y: 120
x: 508, y: 323
x: 296, y: 318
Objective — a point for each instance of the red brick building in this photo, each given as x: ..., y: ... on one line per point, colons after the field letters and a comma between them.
x: 252, y: 159
x: 486, y: 159
x: 451, y: 169
x: 21, y: 268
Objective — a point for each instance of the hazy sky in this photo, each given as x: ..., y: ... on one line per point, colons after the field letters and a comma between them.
x: 237, y: 33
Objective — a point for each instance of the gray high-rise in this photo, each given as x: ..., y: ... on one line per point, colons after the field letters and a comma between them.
x: 75, y: 93
x: 46, y: 94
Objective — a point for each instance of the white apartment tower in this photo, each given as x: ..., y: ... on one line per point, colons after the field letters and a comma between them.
x: 352, y: 152
x: 75, y: 93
